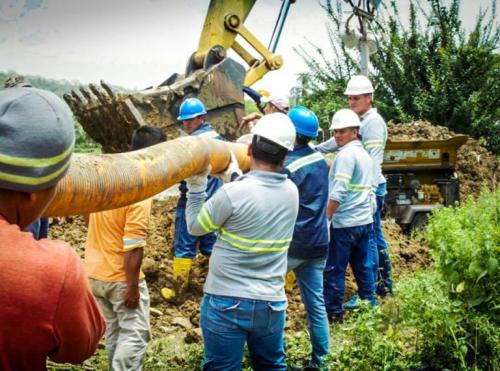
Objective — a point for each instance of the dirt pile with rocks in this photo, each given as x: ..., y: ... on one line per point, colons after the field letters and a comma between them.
x: 182, y: 320
x: 476, y: 167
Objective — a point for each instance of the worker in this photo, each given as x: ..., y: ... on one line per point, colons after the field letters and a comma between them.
x: 350, y: 210
x: 47, y: 307
x: 113, y: 256
x: 271, y: 105
x: 40, y: 227
x: 192, y: 113
x: 308, y: 250
x: 373, y: 132
x: 244, y: 299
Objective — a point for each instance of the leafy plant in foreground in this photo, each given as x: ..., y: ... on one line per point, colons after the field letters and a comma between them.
x: 465, y: 241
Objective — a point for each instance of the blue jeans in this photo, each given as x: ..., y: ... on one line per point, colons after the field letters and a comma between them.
x: 228, y: 322
x: 184, y: 243
x: 348, y: 245
x: 309, y: 273
x: 381, y: 258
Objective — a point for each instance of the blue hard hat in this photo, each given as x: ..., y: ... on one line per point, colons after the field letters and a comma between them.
x: 305, y: 121
x: 191, y: 108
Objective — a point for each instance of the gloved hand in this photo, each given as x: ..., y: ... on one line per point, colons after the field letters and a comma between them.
x: 232, y: 172
x: 198, y: 182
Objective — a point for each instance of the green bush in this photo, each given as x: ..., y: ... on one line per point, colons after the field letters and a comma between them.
x: 465, y: 241
x: 428, y: 67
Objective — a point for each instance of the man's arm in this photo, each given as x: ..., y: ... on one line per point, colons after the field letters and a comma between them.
x: 78, y: 322
x: 206, y: 217
x: 133, y: 261
x: 374, y: 138
x: 331, y: 208
x: 134, y: 241
x: 343, y: 169
x: 327, y: 146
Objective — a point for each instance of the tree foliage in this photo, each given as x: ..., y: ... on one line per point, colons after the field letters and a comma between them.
x: 431, y: 69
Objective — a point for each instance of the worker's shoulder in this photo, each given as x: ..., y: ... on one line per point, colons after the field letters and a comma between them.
x: 58, y: 248
x: 373, y: 117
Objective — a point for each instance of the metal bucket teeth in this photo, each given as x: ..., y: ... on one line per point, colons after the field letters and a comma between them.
x: 110, y: 117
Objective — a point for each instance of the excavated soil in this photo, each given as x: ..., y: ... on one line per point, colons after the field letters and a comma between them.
x: 476, y: 167
x: 182, y: 320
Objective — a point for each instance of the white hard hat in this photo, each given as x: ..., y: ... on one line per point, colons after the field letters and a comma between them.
x: 344, y: 118
x: 278, y: 128
x: 358, y: 85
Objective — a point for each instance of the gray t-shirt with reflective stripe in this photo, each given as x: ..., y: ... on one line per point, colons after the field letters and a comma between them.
x: 254, y: 217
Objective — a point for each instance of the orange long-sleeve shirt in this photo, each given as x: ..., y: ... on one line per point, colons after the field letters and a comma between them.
x: 46, y: 306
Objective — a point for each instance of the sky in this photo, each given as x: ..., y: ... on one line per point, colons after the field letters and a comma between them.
x: 139, y: 43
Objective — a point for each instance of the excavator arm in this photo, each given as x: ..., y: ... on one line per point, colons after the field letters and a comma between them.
x: 110, y: 117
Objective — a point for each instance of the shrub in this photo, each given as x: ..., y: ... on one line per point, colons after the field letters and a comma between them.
x: 465, y: 241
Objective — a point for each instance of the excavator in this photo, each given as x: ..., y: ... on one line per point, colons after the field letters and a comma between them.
x: 117, y: 178
x: 110, y: 117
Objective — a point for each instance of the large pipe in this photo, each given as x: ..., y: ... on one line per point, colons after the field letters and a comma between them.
x: 102, y: 182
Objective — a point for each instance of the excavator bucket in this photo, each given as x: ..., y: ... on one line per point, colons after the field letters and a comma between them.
x: 110, y: 117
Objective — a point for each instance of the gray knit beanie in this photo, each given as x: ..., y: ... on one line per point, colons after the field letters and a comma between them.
x: 37, y: 137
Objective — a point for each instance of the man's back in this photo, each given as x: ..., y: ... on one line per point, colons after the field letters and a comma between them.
x: 308, y: 170
x: 256, y: 215
x: 47, y: 307
x: 112, y: 233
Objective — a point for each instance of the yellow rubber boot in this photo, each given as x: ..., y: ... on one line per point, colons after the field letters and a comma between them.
x: 182, y: 266
x: 289, y: 281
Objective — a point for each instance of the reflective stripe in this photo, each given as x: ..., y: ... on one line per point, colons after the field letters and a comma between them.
x: 209, y: 134
x: 205, y: 221
x: 36, y: 162
x: 374, y: 143
x: 255, y: 245
x: 359, y: 187
x: 342, y: 176
x: 304, y: 161
x: 32, y: 180
x: 132, y: 243
x: 239, y: 242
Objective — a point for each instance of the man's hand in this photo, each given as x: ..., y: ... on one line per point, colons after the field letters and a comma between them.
x: 232, y: 172
x: 198, y: 182
x: 131, y: 297
x: 250, y: 120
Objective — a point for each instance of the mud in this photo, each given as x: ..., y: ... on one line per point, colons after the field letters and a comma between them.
x: 182, y: 320
x: 476, y: 168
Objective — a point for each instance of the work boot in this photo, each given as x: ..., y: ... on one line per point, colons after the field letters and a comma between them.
x: 289, y: 281
x: 353, y: 303
x: 334, y: 318
x: 182, y: 266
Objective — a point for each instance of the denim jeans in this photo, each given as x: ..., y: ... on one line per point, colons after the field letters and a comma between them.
x: 348, y: 245
x: 381, y: 258
x: 309, y: 273
x: 228, y: 322
x: 184, y: 243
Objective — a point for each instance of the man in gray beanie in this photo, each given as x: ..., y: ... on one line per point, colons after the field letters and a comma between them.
x: 47, y: 307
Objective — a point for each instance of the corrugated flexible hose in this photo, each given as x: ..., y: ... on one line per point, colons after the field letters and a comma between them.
x: 102, y: 182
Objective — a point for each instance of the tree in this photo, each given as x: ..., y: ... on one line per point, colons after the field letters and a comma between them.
x: 429, y: 70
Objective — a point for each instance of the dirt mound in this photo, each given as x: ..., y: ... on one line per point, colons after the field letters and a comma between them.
x: 477, y: 168
x: 182, y: 321
x: 407, y: 253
